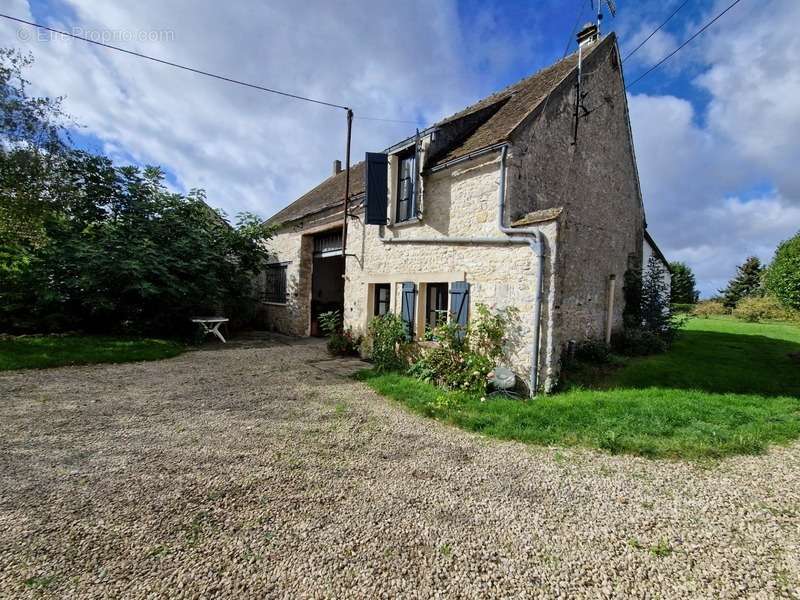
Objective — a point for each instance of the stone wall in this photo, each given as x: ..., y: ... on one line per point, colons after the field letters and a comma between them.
x: 598, y: 234
x: 295, y: 249
x: 459, y: 202
x: 596, y: 183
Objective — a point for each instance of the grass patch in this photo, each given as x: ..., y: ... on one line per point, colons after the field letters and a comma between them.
x: 39, y: 352
x: 725, y: 388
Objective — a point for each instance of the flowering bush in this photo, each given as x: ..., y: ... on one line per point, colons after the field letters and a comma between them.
x: 709, y: 308
x: 341, y: 341
x: 463, y: 358
x: 766, y: 308
x: 386, y: 343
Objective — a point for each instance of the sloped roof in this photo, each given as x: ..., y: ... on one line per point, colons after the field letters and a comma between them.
x: 518, y: 101
x: 328, y: 194
x: 497, y: 115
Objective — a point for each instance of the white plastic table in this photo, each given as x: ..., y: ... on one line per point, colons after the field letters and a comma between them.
x: 211, y: 325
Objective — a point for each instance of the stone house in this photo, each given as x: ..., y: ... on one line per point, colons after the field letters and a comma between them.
x: 511, y: 202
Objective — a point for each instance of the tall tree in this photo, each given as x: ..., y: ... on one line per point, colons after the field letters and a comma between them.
x: 782, y: 278
x: 747, y: 282
x: 684, y: 285
x: 32, y: 145
x: 656, y: 312
x: 89, y: 245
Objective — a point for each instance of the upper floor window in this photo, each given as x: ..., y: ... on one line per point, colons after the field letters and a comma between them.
x: 406, y: 202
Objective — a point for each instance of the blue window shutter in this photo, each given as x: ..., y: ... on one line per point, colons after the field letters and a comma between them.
x: 459, y: 304
x: 407, y: 306
x: 376, y: 188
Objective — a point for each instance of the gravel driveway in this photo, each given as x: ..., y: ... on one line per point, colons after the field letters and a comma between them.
x: 252, y: 472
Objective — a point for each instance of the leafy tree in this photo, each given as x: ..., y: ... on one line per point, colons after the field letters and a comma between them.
x: 90, y: 245
x: 782, y: 278
x: 747, y: 282
x: 32, y: 144
x: 683, y: 289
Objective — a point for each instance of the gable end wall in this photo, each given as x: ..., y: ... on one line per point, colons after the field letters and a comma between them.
x: 595, y: 181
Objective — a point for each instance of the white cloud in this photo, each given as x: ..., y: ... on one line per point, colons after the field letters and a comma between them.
x: 695, y: 167
x: 719, y: 184
x: 251, y: 150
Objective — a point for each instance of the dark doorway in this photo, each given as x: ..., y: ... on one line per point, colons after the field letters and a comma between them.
x: 327, y: 277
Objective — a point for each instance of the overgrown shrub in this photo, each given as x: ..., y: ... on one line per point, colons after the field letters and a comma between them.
x: 463, y: 359
x: 386, y: 342
x: 755, y: 309
x: 710, y: 308
x: 341, y: 341
x: 782, y: 278
x: 638, y: 342
x: 682, y: 309
x: 89, y: 245
x: 593, y: 351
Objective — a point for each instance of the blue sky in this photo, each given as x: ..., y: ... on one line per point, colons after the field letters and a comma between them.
x: 715, y: 129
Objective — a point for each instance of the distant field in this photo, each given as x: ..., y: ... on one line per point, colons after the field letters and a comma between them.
x: 726, y: 387
x: 38, y: 352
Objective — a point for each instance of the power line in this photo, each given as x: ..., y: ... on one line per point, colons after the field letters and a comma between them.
x: 666, y: 58
x: 683, y: 45
x: 656, y: 30
x: 176, y: 65
x: 389, y: 120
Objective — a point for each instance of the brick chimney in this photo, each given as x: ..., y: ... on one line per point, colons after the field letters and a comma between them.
x: 588, y: 35
x: 337, y: 167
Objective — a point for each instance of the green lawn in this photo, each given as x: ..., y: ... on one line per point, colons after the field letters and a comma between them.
x: 38, y: 352
x: 726, y: 387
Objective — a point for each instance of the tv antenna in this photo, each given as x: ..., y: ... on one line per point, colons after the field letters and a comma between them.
x: 612, y: 9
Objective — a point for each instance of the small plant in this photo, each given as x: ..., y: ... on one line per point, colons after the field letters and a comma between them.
x: 386, y: 343
x: 330, y: 322
x: 341, y: 341
x: 40, y: 582
x: 661, y: 549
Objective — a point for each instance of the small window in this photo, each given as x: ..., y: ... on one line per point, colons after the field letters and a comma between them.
x: 381, y: 300
x: 436, y: 305
x: 275, y: 284
x: 406, y: 201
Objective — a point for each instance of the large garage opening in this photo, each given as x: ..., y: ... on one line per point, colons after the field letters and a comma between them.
x: 327, y: 277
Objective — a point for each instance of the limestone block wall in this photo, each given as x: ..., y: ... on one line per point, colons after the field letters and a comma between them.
x: 594, y: 179
x: 296, y: 250
x: 458, y: 202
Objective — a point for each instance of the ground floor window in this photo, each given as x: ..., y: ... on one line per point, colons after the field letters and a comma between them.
x: 436, y: 305
x: 381, y: 300
x: 275, y: 284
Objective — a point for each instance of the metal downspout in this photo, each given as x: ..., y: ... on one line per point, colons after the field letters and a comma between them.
x: 536, y: 246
